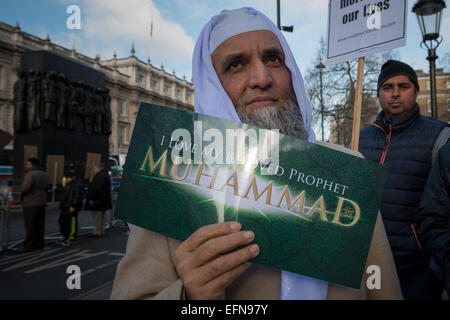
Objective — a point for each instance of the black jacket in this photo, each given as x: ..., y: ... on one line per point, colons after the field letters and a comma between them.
x: 72, y: 196
x: 99, y: 192
x: 404, y: 145
x: 435, y: 214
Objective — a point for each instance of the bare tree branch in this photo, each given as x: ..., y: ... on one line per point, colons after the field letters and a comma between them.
x: 339, y: 82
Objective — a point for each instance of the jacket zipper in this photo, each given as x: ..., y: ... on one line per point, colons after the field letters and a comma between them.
x: 416, y: 232
x: 383, y: 155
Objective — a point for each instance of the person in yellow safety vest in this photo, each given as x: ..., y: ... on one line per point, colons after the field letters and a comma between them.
x: 64, y: 178
x: 70, y: 205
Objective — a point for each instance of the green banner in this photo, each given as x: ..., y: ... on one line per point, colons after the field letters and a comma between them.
x: 312, y: 209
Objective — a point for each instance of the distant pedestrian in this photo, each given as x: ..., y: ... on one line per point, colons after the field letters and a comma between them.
x: 70, y: 204
x: 99, y: 198
x: 33, y: 195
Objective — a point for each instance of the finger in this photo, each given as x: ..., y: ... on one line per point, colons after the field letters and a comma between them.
x: 212, y: 248
x: 217, y: 286
x: 208, y: 232
x: 226, y: 263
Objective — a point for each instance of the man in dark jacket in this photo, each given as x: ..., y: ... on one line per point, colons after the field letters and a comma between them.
x: 33, y: 195
x: 70, y: 204
x: 404, y: 140
x: 435, y: 214
x: 99, y: 198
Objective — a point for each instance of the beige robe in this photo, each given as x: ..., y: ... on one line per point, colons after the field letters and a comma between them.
x: 148, y: 270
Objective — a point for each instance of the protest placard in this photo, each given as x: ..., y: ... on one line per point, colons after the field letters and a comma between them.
x: 313, y: 209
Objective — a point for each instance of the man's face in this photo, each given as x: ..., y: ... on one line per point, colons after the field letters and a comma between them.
x: 28, y: 165
x: 398, y: 95
x: 251, y: 69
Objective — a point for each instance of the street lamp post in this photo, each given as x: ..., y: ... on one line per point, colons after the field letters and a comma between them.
x: 321, y: 66
x: 283, y: 28
x: 428, y: 14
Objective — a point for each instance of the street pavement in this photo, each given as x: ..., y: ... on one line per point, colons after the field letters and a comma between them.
x: 45, y: 274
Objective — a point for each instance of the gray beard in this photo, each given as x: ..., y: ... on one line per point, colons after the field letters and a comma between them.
x: 288, y: 119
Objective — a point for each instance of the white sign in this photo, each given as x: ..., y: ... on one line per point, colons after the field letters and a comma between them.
x: 357, y: 28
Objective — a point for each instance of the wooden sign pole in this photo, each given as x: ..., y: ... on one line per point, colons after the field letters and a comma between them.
x: 358, y: 102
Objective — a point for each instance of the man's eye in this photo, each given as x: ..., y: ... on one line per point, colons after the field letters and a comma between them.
x: 234, y: 65
x: 274, y: 59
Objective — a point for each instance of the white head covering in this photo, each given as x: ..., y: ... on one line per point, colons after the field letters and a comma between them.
x: 231, y: 23
x: 210, y: 97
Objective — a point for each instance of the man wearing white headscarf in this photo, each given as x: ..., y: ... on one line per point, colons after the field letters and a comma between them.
x: 243, y: 70
x: 209, y: 89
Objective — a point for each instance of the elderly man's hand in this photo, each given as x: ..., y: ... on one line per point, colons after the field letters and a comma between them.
x: 204, y: 263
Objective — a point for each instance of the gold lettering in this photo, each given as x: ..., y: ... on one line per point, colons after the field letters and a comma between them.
x: 153, y: 165
x: 186, y: 173
x: 322, y: 208
x: 286, y: 195
x: 268, y: 188
x: 234, y: 185
x: 200, y: 173
x: 339, y: 209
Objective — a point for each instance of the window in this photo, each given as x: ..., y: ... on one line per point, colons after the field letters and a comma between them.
x: 139, y: 78
x: 1, y: 74
x: 178, y: 92
x: 122, y: 108
x: 428, y: 85
x: 154, y: 84
x: 122, y: 135
x: 429, y: 106
x: 448, y: 105
x: 448, y: 84
x: 188, y: 96
x: 166, y: 87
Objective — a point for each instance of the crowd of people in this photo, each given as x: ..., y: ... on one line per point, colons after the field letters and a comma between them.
x: 73, y: 198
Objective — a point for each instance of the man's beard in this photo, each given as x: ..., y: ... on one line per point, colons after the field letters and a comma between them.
x: 287, y: 119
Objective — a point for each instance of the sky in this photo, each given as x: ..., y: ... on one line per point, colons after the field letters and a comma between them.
x: 109, y: 26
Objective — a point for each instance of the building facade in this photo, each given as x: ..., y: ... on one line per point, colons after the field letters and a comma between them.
x: 129, y: 80
x: 442, y: 94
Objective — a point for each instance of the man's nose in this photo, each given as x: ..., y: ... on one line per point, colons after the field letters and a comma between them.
x: 396, y: 91
x: 260, y: 76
